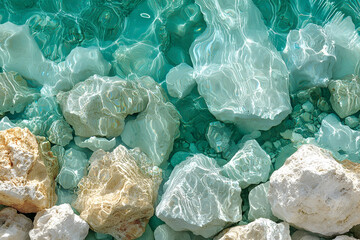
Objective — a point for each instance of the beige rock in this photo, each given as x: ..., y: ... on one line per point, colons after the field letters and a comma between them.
x: 260, y: 229
x: 118, y: 195
x: 27, y: 171
x: 14, y: 226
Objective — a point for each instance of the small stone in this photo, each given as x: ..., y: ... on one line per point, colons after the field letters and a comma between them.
x: 218, y: 136
x: 261, y: 228
x: 59, y: 222
x: 344, y: 237
x: 148, y: 234
x: 180, y: 80
x: 306, y: 117
x: 117, y: 196
x: 323, y: 105
x: 277, y: 144
x: 312, y: 188
x: 95, y: 143
x: 14, y: 226
x: 308, y: 107
x: 28, y: 170
x: 310, y: 127
x: 199, y: 199
x: 5, y: 124
x: 352, y: 121
x: 345, y: 95
x: 250, y: 165
x: 259, y: 203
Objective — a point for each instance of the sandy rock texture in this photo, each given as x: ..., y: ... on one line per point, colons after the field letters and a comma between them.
x: 27, y: 171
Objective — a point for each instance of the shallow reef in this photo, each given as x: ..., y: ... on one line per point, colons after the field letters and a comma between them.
x: 180, y: 119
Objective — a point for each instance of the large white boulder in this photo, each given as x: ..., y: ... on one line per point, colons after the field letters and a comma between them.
x: 315, y: 192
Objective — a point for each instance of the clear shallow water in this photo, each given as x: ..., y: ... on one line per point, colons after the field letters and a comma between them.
x: 148, y: 38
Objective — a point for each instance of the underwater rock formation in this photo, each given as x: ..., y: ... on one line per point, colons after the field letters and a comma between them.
x: 199, y: 199
x: 311, y: 188
x: 241, y: 76
x: 117, y: 196
x: 14, y: 226
x: 58, y: 222
x: 28, y: 170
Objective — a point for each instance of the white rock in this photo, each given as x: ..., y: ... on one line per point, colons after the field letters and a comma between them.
x: 59, y: 222
x: 14, y: 226
x: 345, y: 95
x: 341, y: 30
x: 95, y: 143
x: 310, y: 56
x: 180, y: 80
x: 241, y: 76
x: 259, y: 203
x: 312, y: 188
x: 261, y: 228
x: 198, y: 199
x: 335, y: 136
x: 20, y: 53
x: 250, y: 165
x: 5, y: 124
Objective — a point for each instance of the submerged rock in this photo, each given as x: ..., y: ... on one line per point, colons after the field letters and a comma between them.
x: 117, y: 196
x: 310, y: 56
x: 261, y: 228
x: 28, y: 170
x: 345, y: 95
x: 95, y: 143
x: 15, y: 94
x: 250, y: 165
x: 59, y: 222
x: 218, y: 136
x: 199, y: 199
x: 312, y: 188
x: 180, y: 80
x: 241, y: 76
x: 259, y: 203
x: 14, y: 226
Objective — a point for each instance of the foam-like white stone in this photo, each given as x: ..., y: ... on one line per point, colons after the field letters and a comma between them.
x: 314, y: 192
x: 59, y: 222
x: 14, y: 226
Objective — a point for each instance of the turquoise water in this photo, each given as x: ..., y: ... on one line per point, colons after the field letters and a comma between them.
x: 258, y: 76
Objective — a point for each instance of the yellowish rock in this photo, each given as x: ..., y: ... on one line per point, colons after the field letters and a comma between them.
x: 117, y: 197
x: 27, y: 171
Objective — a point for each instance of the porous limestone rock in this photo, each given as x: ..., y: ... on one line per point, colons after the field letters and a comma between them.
x: 199, y: 199
x: 59, y: 222
x: 260, y: 229
x: 155, y: 129
x: 241, y: 76
x: 28, y: 170
x: 343, y: 141
x: 118, y: 194
x: 310, y: 56
x: 14, y: 226
x: 164, y: 232
x: 15, y: 94
x: 20, y: 53
x: 259, y: 203
x: 99, y: 105
x: 345, y: 95
x: 73, y: 165
x: 218, y: 136
x: 250, y: 165
x: 180, y: 80
x: 312, y: 188
x: 95, y: 143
